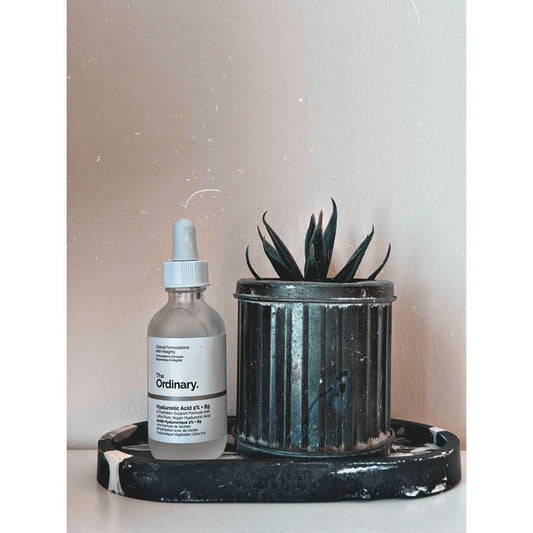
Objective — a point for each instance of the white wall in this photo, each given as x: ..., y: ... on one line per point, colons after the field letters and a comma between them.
x: 279, y: 105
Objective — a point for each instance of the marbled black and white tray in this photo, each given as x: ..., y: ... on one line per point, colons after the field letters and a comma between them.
x: 424, y: 460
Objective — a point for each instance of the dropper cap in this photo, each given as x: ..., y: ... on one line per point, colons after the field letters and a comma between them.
x: 185, y: 269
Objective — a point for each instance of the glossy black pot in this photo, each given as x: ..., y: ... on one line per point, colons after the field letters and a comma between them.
x: 314, y: 367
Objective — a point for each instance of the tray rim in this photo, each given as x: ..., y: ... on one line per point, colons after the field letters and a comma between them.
x: 112, y: 439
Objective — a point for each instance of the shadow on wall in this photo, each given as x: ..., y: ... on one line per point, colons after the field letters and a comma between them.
x: 421, y: 376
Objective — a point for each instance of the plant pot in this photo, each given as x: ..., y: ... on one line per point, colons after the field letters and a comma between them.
x: 314, y: 367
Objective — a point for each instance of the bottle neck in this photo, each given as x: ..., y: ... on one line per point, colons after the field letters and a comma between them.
x: 186, y: 296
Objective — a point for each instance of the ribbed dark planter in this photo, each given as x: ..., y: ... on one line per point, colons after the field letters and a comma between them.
x: 314, y: 366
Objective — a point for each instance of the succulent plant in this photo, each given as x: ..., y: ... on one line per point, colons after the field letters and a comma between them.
x: 318, y: 252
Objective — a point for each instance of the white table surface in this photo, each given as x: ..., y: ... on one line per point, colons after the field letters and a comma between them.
x: 93, y: 508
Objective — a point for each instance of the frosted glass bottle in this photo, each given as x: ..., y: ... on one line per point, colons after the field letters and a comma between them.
x: 185, y: 315
x: 187, y: 397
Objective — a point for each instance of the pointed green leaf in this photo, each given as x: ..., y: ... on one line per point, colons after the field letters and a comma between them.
x: 380, y: 267
x: 254, y: 273
x: 283, y: 251
x: 317, y: 240
x: 329, y: 236
x: 320, y: 218
x: 308, y: 235
x: 284, y: 273
x: 311, y: 272
x: 350, y: 268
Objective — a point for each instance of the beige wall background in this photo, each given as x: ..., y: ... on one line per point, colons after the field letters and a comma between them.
x: 277, y: 105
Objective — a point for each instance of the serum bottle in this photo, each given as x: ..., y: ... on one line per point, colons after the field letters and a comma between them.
x: 187, y: 400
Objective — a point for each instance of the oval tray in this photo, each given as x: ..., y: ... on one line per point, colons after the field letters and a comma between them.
x: 424, y: 460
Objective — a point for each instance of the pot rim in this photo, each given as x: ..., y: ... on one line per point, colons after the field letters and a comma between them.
x: 275, y: 290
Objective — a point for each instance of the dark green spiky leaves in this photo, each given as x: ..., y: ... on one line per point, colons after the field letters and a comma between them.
x: 283, y: 252
x: 254, y: 273
x: 309, y: 235
x: 380, y: 267
x: 312, y: 271
x: 350, y: 268
x: 329, y: 236
x: 318, y: 253
x: 319, y: 246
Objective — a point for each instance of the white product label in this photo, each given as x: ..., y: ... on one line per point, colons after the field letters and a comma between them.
x: 187, y: 389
